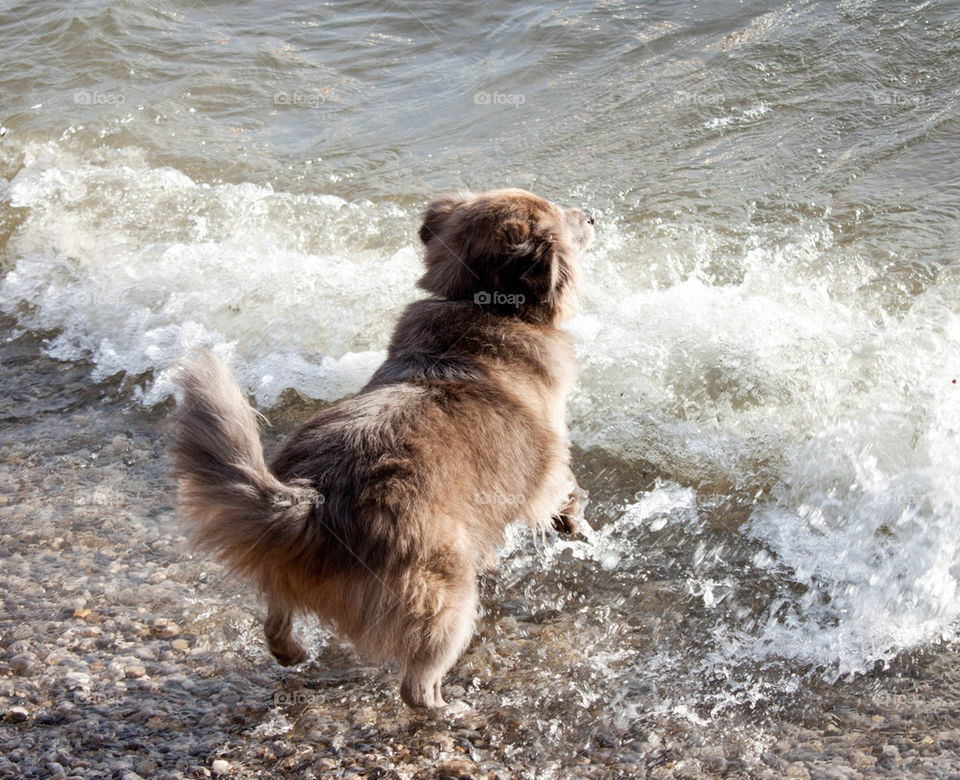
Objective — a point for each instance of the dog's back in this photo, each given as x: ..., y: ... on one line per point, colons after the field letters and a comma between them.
x: 443, y: 441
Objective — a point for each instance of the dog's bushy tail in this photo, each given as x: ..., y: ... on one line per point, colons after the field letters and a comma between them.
x: 238, y: 509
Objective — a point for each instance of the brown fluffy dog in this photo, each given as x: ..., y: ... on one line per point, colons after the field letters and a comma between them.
x: 378, y: 513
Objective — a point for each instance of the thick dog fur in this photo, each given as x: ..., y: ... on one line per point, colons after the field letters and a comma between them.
x: 378, y: 513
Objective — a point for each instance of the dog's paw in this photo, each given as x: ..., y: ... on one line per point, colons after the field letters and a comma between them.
x: 565, y: 521
x: 565, y: 524
x: 291, y: 655
x: 418, y: 693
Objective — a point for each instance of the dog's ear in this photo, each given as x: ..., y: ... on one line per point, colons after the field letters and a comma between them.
x: 447, y: 254
x: 542, y: 259
x: 434, y: 218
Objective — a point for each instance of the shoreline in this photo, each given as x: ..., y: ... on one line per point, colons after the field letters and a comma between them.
x: 120, y: 653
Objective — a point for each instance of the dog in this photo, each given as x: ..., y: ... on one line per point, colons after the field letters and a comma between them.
x: 378, y: 513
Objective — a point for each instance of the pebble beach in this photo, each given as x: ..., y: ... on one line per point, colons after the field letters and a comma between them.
x: 122, y: 655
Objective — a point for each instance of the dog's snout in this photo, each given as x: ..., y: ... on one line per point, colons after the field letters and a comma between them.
x: 576, y: 214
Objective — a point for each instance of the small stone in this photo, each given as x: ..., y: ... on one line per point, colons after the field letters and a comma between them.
x: 56, y: 657
x: 77, y: 680
x: 20, y: 646
x: 220, y: 767
x: 456, y: 768
x: 117, y: 445
x: 457, y: 708
x: 862, y: 760
x: 797, y: 769
x: 167, y: 629
x: 687, y: 768
x: 135, y: 670
x: 147, y: 767
x: 715, y: 764
x: 24, y: 664
x: 17, y: 714
x: 182, y: 645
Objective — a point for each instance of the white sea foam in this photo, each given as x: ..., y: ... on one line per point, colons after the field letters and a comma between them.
x: 867, y: 511
x: 134, y: 266
x: 792, y: 377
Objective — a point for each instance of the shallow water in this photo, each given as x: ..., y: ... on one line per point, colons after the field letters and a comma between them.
x: 770, y: 331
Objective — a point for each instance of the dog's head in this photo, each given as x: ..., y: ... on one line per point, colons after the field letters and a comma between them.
x: 507, y: 251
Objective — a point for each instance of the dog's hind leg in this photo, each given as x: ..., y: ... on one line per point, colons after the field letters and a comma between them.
x: 444, y: 636
x: 278, y: 629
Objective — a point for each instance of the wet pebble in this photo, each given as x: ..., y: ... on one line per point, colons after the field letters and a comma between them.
x: 687, y: 768
x: 165, y: 628
x: 712, y: 759
x: 862, y: 760
x: 23, y: 631
x: 24, y: 664
x: 798, y: 770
